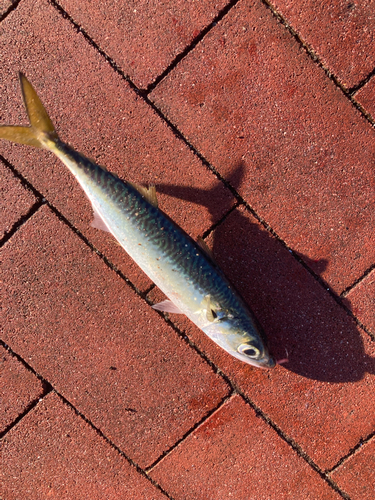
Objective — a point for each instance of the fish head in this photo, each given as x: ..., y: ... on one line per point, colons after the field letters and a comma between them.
x: 242, y: 338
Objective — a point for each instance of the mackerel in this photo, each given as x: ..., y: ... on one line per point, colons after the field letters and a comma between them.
x: 182, y: 268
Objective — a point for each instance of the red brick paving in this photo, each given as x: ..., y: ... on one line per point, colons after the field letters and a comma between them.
x: 15, y: 200
x: 340, y: 33
x: 249, y: 96
x: 56, y: 454
x: 143, y: 37
x: 116, y: 128
x: 256, y: 465
x: 19, y: 388
x: 4, y: 6
x: 293, y: 145
x: 357, y: 474
x: 98, y: 359
x: 366, y: 97
x: 362, y: 301
x: 316, y: 399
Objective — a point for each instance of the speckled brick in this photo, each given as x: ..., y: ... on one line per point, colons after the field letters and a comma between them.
x: 143, y: 38
x: 18, y: 388
x: 5, y: 5
x: 53, y: 453
x: 366, y: 97
x: 356, y: 476
x: 99, y: 344
x: 361, y: 299
x: 15, y: 200
x: 95, y: 110
x: 340, y: 32
x: 323, y: 397
x: 268, y: 118
x: 235, y: 454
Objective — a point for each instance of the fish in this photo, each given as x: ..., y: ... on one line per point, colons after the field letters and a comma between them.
x: 183, y: 269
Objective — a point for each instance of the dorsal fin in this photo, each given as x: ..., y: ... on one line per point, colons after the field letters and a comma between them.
x: 205, y: 247
x: 148, y: 193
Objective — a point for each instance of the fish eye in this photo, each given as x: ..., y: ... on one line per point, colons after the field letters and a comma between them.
x: 248, y: 350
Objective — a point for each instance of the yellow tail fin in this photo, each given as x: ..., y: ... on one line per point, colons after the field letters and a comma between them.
x: 41, y: 131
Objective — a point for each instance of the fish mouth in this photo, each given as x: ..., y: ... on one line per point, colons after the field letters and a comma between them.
x: 267, y: 363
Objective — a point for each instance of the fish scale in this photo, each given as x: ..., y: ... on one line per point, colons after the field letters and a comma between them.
x: 178, y: 265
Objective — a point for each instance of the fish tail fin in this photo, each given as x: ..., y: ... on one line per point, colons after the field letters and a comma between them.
x: 41, y: 132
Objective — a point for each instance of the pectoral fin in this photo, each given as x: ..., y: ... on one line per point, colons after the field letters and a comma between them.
x: 210, y: 310
x: 98, y: 222
x: 167, y: 306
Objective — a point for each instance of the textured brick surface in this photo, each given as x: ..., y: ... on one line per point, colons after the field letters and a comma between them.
x: 356, y: 476
x: 102, y: 347
x: 53, y: 453
x: 340, y: 32
x: 248, y: 98
x: 362, y: 301
x: 143, y: 37
x: 96, y: 111
x: 256, y: 465
x: 366, y: 97
x: 15, y: 201
x: 18, y: 388
x: 318, y: 397
x: 4, y: 6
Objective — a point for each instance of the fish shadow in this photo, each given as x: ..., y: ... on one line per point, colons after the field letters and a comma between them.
x: 302, y: 320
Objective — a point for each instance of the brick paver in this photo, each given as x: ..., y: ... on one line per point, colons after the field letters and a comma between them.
x: 53, y: 453
x: 15, y: 200
x: 362, y: 301
x: 94, y: 109
x: 366, y: 97
x: 19, y: 388
x: 356, y: 476
x: 4, y: 6
x: 256, y: 465
x: 143, y: 37
x: 83, y: 329
x: 339, y: 32
x: 248, y: 96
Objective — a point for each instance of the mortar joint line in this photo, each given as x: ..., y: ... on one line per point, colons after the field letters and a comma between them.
x: 112, y: 444
x: 21, y: 221
x: 353, y: 90
x: 14, y: 4
x: 189, y: 432
x: 191, y: 46
x: 297, y: 449
x: 349, y: 288
x: 316, y: 59
x: 351, y: 452
x: 48, y: 388
x: 216, y: 224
